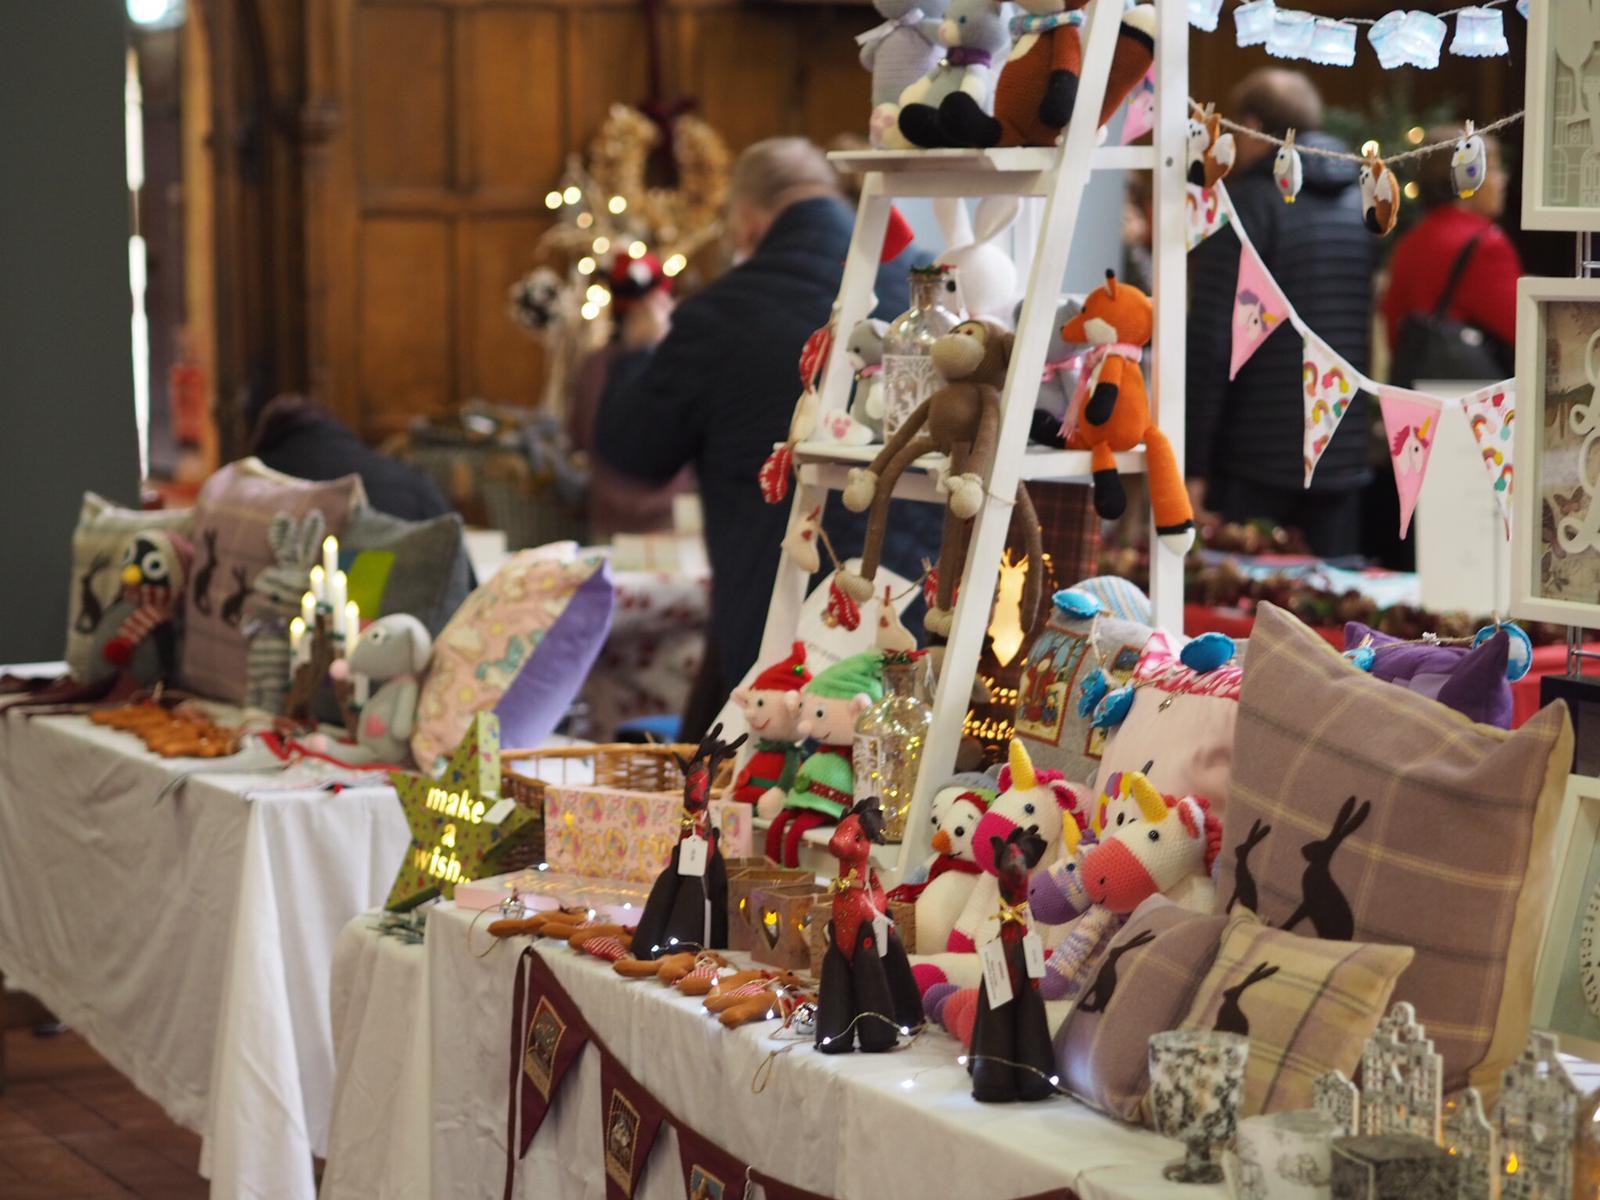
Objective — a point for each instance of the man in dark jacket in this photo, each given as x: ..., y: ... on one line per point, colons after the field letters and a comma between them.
x: 718, y: 389
x: 1244, y: 444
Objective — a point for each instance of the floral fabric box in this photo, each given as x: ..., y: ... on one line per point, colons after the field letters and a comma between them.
x: 606, y: 833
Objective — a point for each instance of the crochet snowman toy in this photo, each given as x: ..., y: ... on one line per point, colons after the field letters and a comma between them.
x: 774, y: 725
x: 952, y: 871
x: 824, y: 786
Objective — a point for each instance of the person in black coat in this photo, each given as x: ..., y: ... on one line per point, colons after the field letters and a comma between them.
x: 300, y: 438
x: 1244, y: 437
x: 717, y: 390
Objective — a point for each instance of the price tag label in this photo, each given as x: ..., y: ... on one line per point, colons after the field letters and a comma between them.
x: 501, y: 810
x: 692, y: 853
x: 880, y: 927
x: 1033, y: 955
x: 996, y: 974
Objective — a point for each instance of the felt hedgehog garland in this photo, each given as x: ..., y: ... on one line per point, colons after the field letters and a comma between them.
x: 1380, y: 196
x: 1287, y: 172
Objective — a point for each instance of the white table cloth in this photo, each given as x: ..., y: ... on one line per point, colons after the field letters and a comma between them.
x: 847, y: 1126
x: 190, y: 937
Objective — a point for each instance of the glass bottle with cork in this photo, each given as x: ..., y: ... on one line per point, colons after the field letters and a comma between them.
x: 887, y: 749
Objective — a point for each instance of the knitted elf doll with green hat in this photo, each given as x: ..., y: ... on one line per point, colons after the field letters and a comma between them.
x: 774, y: 726
x: 824, y: 786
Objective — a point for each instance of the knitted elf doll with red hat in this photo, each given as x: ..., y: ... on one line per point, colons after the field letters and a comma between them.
x: 824, y: 786
x: 140, y: 629
x: 774, y: 724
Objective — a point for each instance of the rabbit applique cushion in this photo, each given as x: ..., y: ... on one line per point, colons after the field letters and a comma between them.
x: 1360, y: 811
x: 233, y: 514
x: 1307, y: 1005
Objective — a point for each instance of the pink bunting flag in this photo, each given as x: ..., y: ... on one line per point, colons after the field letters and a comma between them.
x: 1205, y: 211
x: 1328, y: 385
x: 1141, y: 118
x: 1411, y: 420
x: 1259, y: 307
x: 1490, y: 413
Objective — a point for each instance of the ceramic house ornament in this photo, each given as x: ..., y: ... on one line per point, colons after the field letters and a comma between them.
x: 1402, y: 1078
x: 1536, y: 1124
x: 1339, y: 1100
x: 1469, y: 1136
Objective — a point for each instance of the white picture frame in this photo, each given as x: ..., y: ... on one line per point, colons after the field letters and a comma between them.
x: 1561, y: 149
x: 1559, y: 1004
x: 1555, y: 514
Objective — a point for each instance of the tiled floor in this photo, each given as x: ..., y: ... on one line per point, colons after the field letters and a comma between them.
x: 71, y: 1128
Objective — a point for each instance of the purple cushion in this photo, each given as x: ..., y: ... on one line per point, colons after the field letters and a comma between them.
x: 1470, y: 680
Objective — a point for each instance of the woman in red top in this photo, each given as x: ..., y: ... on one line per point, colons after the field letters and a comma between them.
x: 1487, y: 295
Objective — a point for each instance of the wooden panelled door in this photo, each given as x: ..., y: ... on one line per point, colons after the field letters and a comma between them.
x: 444, y: 130
x: 433, y: 130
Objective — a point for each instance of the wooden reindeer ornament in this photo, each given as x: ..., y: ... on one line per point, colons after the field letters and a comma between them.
x: 688, y: 903
x: 868, y: 994
x: 961, y: 420
x: 1011, y: 1055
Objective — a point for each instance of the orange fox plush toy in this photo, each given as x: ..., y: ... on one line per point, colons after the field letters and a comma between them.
x: 1112, y: 410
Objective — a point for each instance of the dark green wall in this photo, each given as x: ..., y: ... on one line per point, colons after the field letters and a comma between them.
x: 66, y: 376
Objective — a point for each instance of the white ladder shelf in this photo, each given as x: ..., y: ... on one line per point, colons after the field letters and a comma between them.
x: 1059, y: 175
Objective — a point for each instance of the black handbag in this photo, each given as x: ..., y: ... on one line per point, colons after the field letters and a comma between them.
x: 1435, y: 346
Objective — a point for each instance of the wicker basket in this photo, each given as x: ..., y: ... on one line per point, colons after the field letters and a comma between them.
x: 902, y: 912
x: 625, y: 766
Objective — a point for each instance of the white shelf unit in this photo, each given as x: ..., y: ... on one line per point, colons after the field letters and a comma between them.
x: 1058, y: 175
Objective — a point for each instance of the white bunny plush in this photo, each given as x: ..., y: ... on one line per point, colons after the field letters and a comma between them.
x: 393, y: 651
x: 986, y: 276
x: 273, y: 601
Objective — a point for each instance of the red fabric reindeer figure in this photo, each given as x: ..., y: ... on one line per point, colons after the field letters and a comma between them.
x: 868, y: 994
x: 1013, y: 1031
x: 688, y: 903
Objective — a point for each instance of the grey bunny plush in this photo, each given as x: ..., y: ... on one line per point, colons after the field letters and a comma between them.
x: 976, y: 35
x: 273, y: 601
x: 393, y: 651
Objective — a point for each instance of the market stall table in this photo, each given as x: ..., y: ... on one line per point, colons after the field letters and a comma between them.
x: 188, y: 933
x: 850, y: 1126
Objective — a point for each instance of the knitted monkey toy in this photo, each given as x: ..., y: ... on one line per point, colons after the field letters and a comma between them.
x: 824, y: 786
x: 774, y: 724
x: 961, y: 419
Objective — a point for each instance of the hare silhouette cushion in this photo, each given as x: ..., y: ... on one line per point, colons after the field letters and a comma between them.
x: 962, y: 420
x: 1361, y: 811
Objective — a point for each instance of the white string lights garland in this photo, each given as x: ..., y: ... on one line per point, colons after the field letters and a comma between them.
x: 1402, y: 38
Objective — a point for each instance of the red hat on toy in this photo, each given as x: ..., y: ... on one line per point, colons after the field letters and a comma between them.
x: 790, y: 675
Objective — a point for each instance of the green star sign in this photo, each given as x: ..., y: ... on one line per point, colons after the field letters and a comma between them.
x: 461, y: 828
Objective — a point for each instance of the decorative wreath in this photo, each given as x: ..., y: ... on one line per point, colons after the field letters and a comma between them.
x: 682, y: 218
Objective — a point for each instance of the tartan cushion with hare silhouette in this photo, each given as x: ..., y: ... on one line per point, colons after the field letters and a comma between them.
x: 1307, y: 1006
x: 1363, y: 811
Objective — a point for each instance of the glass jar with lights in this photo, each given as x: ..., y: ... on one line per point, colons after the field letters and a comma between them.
x: 908, y: 374
x: 887, y: 751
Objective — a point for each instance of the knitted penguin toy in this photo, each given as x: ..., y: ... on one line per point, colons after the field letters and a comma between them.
x: 773, y: 724
x: 140, y: 629
x: 824, y: 786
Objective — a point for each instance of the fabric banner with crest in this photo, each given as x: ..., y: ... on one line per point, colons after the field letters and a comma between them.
x: 1259, y: 307
x: 630, y: 1120
x: 1411, y: 421
x: 709, y: 1172
x: 1328, y: 385
x: 547, y: 1034
x: 1490, y: 413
